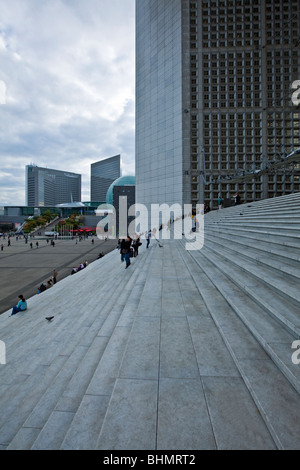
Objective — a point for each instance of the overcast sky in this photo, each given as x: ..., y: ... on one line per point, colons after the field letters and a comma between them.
x: 67, y: 78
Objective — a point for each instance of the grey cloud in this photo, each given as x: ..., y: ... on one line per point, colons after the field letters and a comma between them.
x: 69, y: 75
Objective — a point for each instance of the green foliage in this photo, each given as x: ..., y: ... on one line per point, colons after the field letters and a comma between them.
x: 38, y: 221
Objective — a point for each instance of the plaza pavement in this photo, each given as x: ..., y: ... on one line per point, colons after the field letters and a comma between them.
x: 22, y: 269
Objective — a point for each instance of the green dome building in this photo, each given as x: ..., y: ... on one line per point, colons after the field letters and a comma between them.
x: 122, y: 181
x: 121, y: 188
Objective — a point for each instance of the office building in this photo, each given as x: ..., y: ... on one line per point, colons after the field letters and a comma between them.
x: 213, y: 99
x: 46, y: 187
x: 103, y: 174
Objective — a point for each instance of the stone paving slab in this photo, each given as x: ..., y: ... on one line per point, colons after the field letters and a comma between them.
x: 234, y: 415
x: 130, y: 421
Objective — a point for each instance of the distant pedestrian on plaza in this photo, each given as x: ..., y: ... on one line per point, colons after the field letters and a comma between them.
x: 20, y: 307
x: 2, y: 247
x: 125, y: 251
x: 54, y: 276
x: 37, y: 244
x: 220, y: 202
x: 148, y: 236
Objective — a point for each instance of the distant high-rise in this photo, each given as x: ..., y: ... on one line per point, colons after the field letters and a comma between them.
x: 213, y: 98
x: 103, y: 174
x: 46, y: 187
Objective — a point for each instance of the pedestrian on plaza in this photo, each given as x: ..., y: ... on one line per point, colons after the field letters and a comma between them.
x: 2, y: 247
x: 220, y: 202
x: 54, y: 276
x: 37, y: 244
x: 31, y: 245
x: 20, y: 307
x: 125, y: 250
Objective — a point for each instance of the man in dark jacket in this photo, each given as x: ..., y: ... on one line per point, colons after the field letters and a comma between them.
x: 125, y: 250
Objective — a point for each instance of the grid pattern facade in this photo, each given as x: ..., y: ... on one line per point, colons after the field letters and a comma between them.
x: 103, y: 174
x: 46, y: 187
x: 250, y: 57
x: 238, y: 62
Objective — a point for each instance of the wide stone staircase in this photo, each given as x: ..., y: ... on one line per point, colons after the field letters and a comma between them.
x: 183, y: 350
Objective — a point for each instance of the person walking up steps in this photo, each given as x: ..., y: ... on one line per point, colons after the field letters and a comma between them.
x: 125, y: 250
x: 149, y: 234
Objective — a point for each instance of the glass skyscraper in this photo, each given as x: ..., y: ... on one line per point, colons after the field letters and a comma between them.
x: 103, y: 174
x: 46, y: 187
x: 213, y: 99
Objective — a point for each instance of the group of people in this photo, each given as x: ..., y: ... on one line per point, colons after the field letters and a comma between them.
x: 129, y: 247
x: 44, y: 286
x: 236, y: 197
x: 79, y: 268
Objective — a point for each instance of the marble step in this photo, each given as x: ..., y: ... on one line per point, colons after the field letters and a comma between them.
x: 272, y: 229
x: 255, y: 311
x: 287, y: 287
x: 275, y: 396
x: 258, y: 254
x: 92, y: 326
x: 283, y: 240
x: 242, y: 239
x: 117, y: 335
